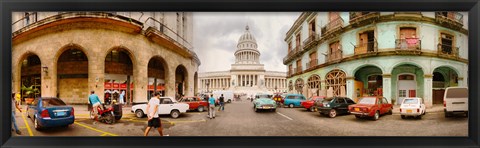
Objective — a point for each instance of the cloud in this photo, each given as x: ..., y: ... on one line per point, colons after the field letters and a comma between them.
x: 216, y: 35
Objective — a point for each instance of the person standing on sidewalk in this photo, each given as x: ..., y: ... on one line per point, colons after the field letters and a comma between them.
x: 211, y: 110
x: 221, y: 101
x: 15, y: 105
x: 152, y: 113
x: 122, y: 95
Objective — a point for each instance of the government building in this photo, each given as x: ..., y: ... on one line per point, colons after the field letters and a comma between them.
x: 68, y: 54
x: 247, y: 75
x: 388, y: 54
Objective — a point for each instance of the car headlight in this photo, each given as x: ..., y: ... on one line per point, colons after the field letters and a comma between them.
x: 327, y: 105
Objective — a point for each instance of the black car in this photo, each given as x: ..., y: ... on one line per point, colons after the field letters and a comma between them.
x: 334, y: 106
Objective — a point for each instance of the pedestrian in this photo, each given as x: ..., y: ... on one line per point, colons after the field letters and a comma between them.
x: 152, y: 114
x: 15, y: 105
x: 95, y: 102
x: 121, y: 97
x: 221, y: 102
x: 211, y: 110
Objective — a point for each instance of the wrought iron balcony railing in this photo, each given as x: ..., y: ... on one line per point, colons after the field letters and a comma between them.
x: 453, y: 17
x: 332, y: 25
x: 358, y: 16
x: 311, y: 39
x: 448, y: 50
x: 408, y: 44
x: 335, y: 55
x: 368, y: 47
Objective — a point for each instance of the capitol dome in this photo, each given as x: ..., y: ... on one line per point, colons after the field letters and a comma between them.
x: 247, y: 52
x: 247, y: 41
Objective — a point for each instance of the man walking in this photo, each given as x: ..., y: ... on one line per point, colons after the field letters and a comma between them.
x: 211, y: 111
x: 15, y: 105
x: 221, y: 101
x: 95, y: 102
x: 152, y: 113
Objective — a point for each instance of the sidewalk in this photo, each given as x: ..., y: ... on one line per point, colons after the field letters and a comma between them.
x: 434, y: 108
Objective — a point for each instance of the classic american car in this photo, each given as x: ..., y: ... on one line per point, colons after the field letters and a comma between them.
x: 412, y: 107
x: 264, y: 103
x: 334, y: 106
x: 195, y: 103
x: 168, y: 105
x: 311, y: 104
x: 371, y: 107
x: 50, y: 112
x: 293, y: 100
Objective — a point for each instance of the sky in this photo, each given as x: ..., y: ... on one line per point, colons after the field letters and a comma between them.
x: 216, y: 34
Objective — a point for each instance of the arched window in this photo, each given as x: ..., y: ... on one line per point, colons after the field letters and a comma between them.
x: 299, y: 85
x: 314, y: 82
x: 290, y: 85
x: 337, y: 80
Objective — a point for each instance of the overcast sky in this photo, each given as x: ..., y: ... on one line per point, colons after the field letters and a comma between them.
x: 216, y: 36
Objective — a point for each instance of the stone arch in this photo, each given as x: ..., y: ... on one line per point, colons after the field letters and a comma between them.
x: 314, y: 84
x: 33, y: 76
x: 181, y: 80
x: 406, y: 63
x: 127, y: 80
x: 448, y: 66
x: 336, y: 79
x: 72, y: 73
x: 365, y: 65
x: 64, y: 48
x: 129, y: 51
x: 151, y: 65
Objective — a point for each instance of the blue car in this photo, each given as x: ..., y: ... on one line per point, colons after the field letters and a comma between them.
x: 50, y: 112
x: 294, y: 100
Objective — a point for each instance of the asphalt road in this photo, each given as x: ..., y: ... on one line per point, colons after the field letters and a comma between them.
x: 239, y: 119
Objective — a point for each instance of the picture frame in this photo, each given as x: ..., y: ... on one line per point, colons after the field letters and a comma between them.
x: 472, y: 6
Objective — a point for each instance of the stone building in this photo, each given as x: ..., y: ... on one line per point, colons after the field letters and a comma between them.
x: 389, y: 54
x: 67, y: 54
x: 247, y: 75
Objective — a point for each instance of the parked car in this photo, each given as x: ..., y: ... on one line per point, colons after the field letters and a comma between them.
x: 195, y: 103
x: 293, y: 100
x: 310, y: 103
x: 168, y: 106
x: 50, y: 112
x: 278, y: 98
x: 335, y: 106
x: 264, y: 103
x: 455, y: 100
x: 371, y: 107
x: 412, y: 107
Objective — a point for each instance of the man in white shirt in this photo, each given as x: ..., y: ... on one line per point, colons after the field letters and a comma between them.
x: 152, y: 114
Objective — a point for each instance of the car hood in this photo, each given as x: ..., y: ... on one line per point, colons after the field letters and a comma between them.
x: 265, y: 101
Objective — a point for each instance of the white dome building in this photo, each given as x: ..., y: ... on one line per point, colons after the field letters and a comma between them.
x: 247, y: 75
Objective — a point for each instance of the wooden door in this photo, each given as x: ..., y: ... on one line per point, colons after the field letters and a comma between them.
x: 437, y: 96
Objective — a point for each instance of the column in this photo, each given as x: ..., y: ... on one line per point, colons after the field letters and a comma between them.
x: 387, y: 87
x: 349, y: 87
x: 461, y: 83
x: 241, y: 80
x: 427, y: 90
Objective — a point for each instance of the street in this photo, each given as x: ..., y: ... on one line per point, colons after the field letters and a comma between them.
x: 239, y: 119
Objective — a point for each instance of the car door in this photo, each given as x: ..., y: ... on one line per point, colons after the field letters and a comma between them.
x: 165, y: 106
x: 342, y: 105
x: 385, y: 105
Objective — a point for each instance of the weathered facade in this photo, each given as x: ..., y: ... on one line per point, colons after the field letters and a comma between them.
x: 71, y: 53
x: 247, y: 75
x: 389, y: 54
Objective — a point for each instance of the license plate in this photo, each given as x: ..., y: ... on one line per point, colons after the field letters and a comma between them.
x: 61, y: 113
x: 357, y: 109
x: 409, y: 111
x: 266, y: 107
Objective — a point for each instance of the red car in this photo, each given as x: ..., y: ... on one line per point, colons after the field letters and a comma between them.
x: 195, y: 103
x: 371, y: 107
x: 310, y: 104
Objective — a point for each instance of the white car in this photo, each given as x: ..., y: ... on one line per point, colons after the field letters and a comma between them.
x: 168, y: 105
x: 412, y: 107
x: 455, y: 100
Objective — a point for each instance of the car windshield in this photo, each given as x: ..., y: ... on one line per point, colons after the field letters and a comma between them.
x: 457, y: 93
x: 327, y: 100
x: 52, y: 102
x: 410, y: 101
x: 367, y: 101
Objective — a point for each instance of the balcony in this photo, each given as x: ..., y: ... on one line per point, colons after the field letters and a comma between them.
x: 332, y: 26
x: 408, y: 44
x: 298, y: 69
x: 452, y: 18
x: 310, y: 41
x: 364, y: 48
x: 447, y: 50
x: 312, y: 63
x: 362, y: 16
x: 335, y: 56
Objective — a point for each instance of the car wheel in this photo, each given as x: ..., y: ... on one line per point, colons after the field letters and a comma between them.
x: 424, y: 112
x: 419, y: 117
x: 357, y: 116
x: 390, y: 112
x: 403, y: 116
x: 290, y: 105
x: 447, y: 114
x: 200, y: 109
x: 274, y: 110
x: 109, y: 119
x: 332, y: 113
x: 255, y: 109
x: 229, y: 101
x: 175, y: 114
x: 139, y: 113
x: 312, y: 109
x: 36, y: 124
x: 376, y: 116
